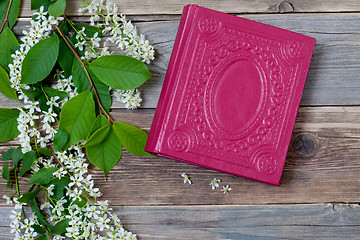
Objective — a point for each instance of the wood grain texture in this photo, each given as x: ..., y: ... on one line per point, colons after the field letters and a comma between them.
x: 303, y: 221
x: 247, y: 6
x: 334, y: 73
x: 323, y: 159
x: 322, y: 166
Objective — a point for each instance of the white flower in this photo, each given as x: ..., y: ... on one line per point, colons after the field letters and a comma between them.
x: 214, y: 183
x: 76, y: 180
x: 95, y: 40
x: 49, y: 116
x: 52, y: 101
x: 94, y: 19
x: 32, y: 107
x: 226, y: 189
x: 8, y: 200
x: 72, y: 232
x: 41, y: 15
x: 27, y: 226
x: 80, y: 33
x: 58, y: 208
x: 186, y: 178
x: 45, y: 205
x: 50, y: 190
x: 76, y: 194
x: 92, y: 212
x: 61, y: 172
x: 80, y: 45
x: 103, y: 222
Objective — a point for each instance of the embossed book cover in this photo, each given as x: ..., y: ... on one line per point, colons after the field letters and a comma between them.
x: 231, y: 95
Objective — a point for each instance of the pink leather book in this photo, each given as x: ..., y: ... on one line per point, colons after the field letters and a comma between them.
x: 231, y: 95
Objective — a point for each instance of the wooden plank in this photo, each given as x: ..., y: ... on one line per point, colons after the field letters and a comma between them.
x: 334, y: 71
x: 303, y: 221
x: 322, y: 166
x: 137, y: 7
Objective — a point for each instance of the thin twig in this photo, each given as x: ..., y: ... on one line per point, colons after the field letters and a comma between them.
x: 6, y: 17
x: 86, y: 72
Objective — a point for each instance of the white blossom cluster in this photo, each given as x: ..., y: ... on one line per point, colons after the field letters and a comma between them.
x: 18, y: 224
x: 131, y: 98
x: 40, y: 29
x: 87, y: 221
x: 123, y: 33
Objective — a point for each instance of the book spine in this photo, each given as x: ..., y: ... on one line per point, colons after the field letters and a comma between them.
x: 154, y: 140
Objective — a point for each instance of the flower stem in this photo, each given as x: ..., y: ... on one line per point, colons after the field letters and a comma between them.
x: 17, y: 190
x: 86, y: 72
x: 62, y: 165
x: 47, y: 98
x: 6, y: 17
x: 87, y: 198
x: 44, y: 189
x: 83, y: 38
x: 48, y: 234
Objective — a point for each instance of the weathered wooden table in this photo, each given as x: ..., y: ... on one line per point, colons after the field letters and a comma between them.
x: 320, y: 188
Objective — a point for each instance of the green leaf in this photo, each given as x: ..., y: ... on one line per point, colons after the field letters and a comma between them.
x: 40, y: 60
x: 81, y: 82
x: 7, y: 42
x: 57, y: 8
x: 80, y: 203
x: 42, y: 102
x: 29, y: 195
x: 51, y: 92
x: 60, y: 227
x: 60, y: 139
x: 33, y: 93
x: 77, y: 117
x: 5, y: 85
x: 89, y: 30
x: 73, y: 41
x: 6, y: 175
x: 45, y: 151
x: 42, y: 237
x: 132, y: 138
x: 8, y: 124
x: 35, y: 209
x: 60, y: 185
x: 64, y: 27
x: 104, y: 149
x: 98, y: 136
x: 43, y: 176
x: 35, y: 4
x: 17, y: 156
x: 28, y: 160
x: 99, y: 122
x: 66, y: 57
x: 39, y: 229
x: 103, y: 93
x: 8, y: 154
x: 13, y: 11
x: 120, y: 72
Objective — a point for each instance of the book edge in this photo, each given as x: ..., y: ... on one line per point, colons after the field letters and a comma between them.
x: 152, y: 144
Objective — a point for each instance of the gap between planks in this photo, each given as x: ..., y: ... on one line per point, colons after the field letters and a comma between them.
x: 305, y: 221
x: 139, y: 7
x: 334, y: 70
x: 322, y: 166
